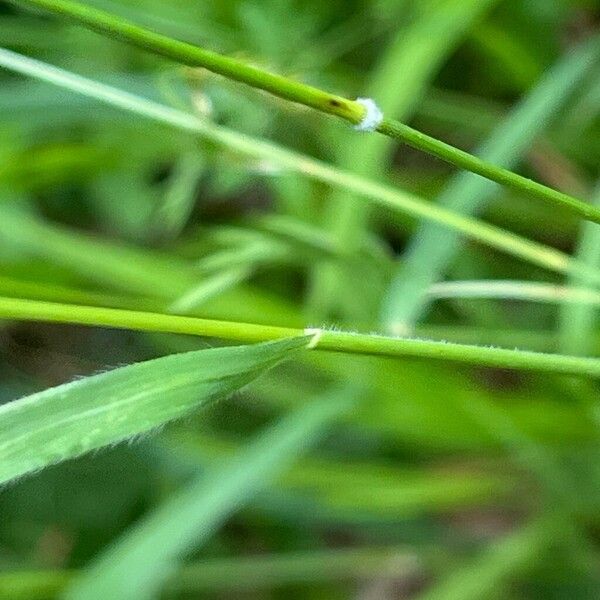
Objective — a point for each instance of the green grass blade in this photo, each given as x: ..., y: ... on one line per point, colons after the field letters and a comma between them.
x: 432, y: 249
x: 176, y: 207
x: 577, y: 320
x: 211, y: 287
x: 288, y: 89
x: 37, y: 290
x: 371, y: 487
x: 139, y: 564
x: 69, y: 420
x: 488, y: 574
x: 561, y: 491
x: 407, y: 66
x: 384, y: 195
x: 131, y: 269
x: 531, y: 291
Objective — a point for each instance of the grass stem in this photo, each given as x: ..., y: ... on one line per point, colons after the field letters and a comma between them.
x: 382, y: 194
x: 300, y: 93
x: 320, y: 339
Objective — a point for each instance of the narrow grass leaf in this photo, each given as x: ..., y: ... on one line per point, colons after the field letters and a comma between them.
x: 577, y: 320
x: 432, y: 248
x: 139, y: 564
x: 117, y: 265
x: 211, y: 287
x: 28, y: 288
x: 259, y: 572
x: 374, y: 488
x: 531, y: 291
x: 413, y: 57
x: 485, y: 576
x: 176, y: 207
x: 384, y: 195
x: 69, y: 420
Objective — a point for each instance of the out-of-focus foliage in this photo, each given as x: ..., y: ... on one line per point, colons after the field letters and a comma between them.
x: 441, y: 482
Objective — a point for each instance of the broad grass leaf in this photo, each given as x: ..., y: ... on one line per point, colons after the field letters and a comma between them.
x: 138, y: 565
x: 69, y: 420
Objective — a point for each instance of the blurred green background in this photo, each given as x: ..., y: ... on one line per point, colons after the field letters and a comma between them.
x: 446, y: 482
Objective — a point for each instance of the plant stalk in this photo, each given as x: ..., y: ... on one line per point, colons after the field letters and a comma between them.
x: 299, y: 93
x: 319, y: 339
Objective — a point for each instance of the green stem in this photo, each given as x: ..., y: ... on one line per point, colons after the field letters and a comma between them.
x: 300, y: 93
x: 321, y: 339
x: 476, y: 165
x: 384, y: 195
x: 194, y: 56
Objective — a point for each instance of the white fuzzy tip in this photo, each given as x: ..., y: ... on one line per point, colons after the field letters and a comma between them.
x: 373, y: 116
x: 317, y: 334
x: 400, y: 329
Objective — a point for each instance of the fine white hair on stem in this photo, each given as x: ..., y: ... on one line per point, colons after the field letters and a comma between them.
x: 373, y: 115
x: 317, y: 334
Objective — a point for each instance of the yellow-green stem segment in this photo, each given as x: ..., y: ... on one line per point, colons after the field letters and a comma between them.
x: 306, y: 95
x: 317, y: 339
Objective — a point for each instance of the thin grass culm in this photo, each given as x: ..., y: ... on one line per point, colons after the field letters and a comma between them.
x: 364, y: 116
x: 384, y: 195
x: 316, y: 338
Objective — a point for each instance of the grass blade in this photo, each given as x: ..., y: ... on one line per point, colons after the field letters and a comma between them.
x: 500, y: 563
x: 577, y: 320
x: 136, y: 270
x: 178, y: 202
x: 432, y: 249
x: 384, y: 195
x: 69, y: 420
x: 139, y: 564
x: 244, y: 573
x: 531, y: 291
x: 282, y: 87
x: 374, y: 488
